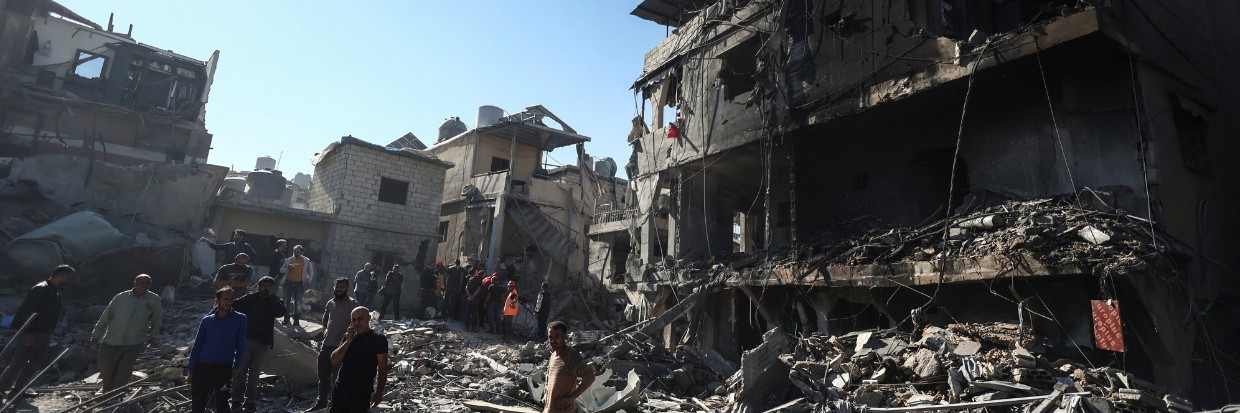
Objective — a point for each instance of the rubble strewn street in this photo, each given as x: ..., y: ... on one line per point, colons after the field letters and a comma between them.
x: 844, y: 206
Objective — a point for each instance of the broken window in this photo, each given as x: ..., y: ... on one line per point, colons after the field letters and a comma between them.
x: 740, y: 65
x: 393, y: 191
x: 89, y: 65
x: 443, y: 231
x: 498, y: 164
x: 1190, y: 128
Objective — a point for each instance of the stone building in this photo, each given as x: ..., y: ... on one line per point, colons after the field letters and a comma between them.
x: 367, y: 203
x: 815, y: 155
x: 383, y: 203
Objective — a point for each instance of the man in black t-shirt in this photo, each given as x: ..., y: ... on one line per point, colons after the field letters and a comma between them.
x: 362, y: 357
x: 236, y: 275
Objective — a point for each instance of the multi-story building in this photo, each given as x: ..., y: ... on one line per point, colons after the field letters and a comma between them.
x: 777, y: 124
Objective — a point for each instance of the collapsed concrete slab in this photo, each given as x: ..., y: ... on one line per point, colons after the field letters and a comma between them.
x: 292, y: 359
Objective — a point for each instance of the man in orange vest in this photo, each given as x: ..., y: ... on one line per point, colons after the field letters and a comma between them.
x: 510, y: 308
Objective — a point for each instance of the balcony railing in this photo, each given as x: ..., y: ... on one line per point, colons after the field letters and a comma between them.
x: 615, y: 215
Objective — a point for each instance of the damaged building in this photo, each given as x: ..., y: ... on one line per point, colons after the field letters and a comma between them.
x: 502, y: 210
x: 846, y: 165
x: 100, y: 127
x: 366, y: 203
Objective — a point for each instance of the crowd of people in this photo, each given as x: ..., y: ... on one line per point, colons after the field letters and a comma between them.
x: 238, y: 333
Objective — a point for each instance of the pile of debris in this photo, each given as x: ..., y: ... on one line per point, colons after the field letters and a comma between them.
x: 1063, y: 231
x: 956, y: 367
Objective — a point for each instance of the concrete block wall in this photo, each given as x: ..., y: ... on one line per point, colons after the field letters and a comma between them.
x: 347, y: 185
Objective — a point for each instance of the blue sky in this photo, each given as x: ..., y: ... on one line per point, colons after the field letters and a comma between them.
x: 295, y: 76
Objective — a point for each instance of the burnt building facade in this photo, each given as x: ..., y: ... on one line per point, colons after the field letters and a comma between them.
x: 823, y: 157
x: 70, y: 86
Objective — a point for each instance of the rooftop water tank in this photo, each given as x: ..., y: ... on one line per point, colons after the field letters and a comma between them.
x: 488, y: 115
x: 264, y: 184
x: 605, y: 166
x: 453, y: 126
x: 302, y: 180
x: 265, y: 162
x: 235, y: 183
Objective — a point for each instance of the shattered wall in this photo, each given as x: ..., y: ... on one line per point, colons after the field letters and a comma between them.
x: 171, y: 196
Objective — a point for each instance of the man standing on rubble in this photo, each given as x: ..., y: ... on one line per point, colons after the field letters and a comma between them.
x: 510, y: 308
x: 473, y: 306
x: 277, y: 260
x: 231, y: 249
x: 361, y: 284
x: 298, y: 271
x: 393, y: 282
x: 542, y: 309
x: 427, y: 283
x: 336, y: 322
x: 261, y: 308
x: 495, y: 302
x: 44, y: 303
x: 361, y: 359
x: 453, y: 282
x: 129, y: 323
x: 216, y: 356
x: 235, y: 275
x: 564, y: 369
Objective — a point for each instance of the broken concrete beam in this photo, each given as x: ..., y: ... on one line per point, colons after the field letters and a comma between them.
x: 761, y: 371
x: 292, y: 359
x: 664, y: 319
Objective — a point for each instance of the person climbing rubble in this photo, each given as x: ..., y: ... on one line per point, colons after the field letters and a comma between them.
x: 216, y: 355
x: 236, y: 274
x: 393, y: 282
x: 130, y: 323
x: 41, y: 308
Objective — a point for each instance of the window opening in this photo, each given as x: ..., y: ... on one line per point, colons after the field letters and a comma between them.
x: 393, y: 191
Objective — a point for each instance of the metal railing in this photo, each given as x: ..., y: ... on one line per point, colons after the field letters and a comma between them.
x: 615, y: 215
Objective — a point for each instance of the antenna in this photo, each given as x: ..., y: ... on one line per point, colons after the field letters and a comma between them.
x: 278, y: 159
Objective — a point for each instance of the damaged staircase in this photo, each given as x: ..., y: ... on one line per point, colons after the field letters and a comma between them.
x: 534, y: 223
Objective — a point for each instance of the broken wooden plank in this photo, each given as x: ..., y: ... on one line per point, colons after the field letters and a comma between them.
x: 481, y: 406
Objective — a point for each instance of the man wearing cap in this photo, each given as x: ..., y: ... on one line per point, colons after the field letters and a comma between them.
x: 495, y: 302
x: 129, y: 323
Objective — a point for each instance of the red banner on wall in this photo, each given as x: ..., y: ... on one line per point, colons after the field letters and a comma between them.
x: 1108, y: 330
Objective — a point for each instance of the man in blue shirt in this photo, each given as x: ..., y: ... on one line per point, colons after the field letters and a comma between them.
x: 216, y: 355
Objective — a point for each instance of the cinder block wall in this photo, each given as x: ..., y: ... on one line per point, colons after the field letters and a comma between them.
x: 346, y: 184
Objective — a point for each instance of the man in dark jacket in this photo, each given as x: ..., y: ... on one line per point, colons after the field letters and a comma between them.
x: 496, y: 293
x: 392, y: 284
x: 262, y: 308
x: 542, y: 309
x: 44, y: 302
x: 428, y: 281
x: 453, y: 283
x: 231, y: 249
x: 473, y: 310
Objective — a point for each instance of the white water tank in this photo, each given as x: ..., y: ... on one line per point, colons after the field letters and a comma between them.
x: 488, y: 115
x: 302, y: 180
x: 265, y: 162
x: 453, y: 126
